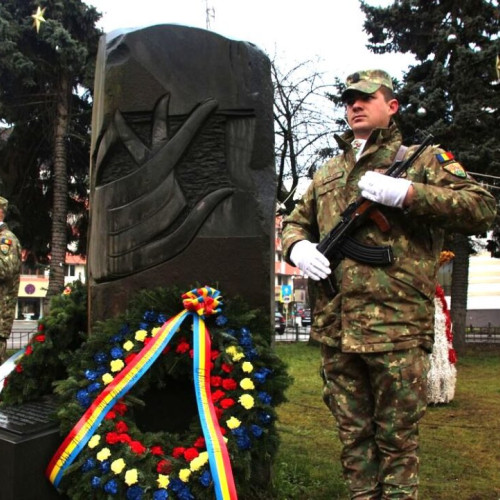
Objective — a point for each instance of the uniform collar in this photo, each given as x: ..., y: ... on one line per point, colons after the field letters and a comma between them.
x: 378, y: 136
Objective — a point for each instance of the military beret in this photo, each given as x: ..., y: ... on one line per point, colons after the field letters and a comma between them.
x: 4, y: 204
x: 367, y: 81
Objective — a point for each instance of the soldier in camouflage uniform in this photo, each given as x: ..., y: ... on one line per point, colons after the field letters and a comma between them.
x: 377, y: 331
x: 10, y: 268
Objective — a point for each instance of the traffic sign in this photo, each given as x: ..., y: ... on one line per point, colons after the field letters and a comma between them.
x: 286, y: 293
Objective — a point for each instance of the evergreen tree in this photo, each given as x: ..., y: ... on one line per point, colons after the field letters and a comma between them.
x: 46, y: 69
x: 453, y: 93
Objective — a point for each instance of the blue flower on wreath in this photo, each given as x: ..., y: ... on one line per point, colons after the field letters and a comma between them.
x: 105, y: 466
x: 265, y: 397
x: 111, y: 487
x: 175, y: 485
x: 135, y: 492
x: 100, y: 357
x: 101, y: 369
x: 95, y: 482
x: 116, y: 353
x: 221, y: 320
x: 83, y: 398
x: 94, y: 387
x: 205, y: 478
x: 88, y: 465
x: 265, y: 418
x: 161, y: 318
x: 160, y: 495
x: 91, y: 374
x: 251, y: 354
x: 185, y: 494
x: 143, y: 325
x: 261, y: 374
x: 242, y: 438
x: 150, y: 316
x: 246, y: 340
x: 180, y: 489
x: 256, y: 430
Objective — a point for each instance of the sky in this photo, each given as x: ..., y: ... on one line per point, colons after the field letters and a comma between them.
x: 328, y: 32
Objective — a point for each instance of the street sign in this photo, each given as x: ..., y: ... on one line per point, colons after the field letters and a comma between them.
x: 286, y: 293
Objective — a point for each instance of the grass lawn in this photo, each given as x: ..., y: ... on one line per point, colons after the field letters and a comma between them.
x: 460, y: 441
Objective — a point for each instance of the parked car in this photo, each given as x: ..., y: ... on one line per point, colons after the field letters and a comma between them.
x: 305, y: 316
x: 279, y: 323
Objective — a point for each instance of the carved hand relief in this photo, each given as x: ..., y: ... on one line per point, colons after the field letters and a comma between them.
x: 149, y: 202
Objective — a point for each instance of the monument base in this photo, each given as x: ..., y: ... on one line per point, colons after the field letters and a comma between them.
x: 28, y: 440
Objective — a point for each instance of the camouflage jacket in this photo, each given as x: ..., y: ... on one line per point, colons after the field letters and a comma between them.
x: 10, y: 269
x: 390, y: 307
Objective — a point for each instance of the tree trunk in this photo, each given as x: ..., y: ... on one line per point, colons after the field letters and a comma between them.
x: 60, y: 194
x: 459, y: 290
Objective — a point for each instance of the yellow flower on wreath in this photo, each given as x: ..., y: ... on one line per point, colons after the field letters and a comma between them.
x: 107, y: 378
x: 140, y: 335
x: 246, y: 401
x: 198, y: 462
x: 104, y: 454
x: 129, y: 345
x: 94, y: 441
x: 163, y: 481
x: 184, y: 475
x: 233, y: 423
x: 247, y: 367
x: 236, y: 354
x: 117, y: 365
x: 247, y: 384
x: 131, y: 477
x: 118, y: 465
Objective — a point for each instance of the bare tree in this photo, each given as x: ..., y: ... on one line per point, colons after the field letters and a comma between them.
x: 303, y: 118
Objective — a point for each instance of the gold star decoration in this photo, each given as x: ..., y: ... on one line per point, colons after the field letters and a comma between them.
x: 38, y: 18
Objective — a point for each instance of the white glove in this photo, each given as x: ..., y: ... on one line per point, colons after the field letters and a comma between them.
x: 390, y: 191
x: 309, y: 260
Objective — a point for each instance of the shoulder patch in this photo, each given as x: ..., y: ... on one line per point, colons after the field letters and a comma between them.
x: 447, y: 161
x: 5, y: 244
x: 455, y: 169
x: 445, y: 157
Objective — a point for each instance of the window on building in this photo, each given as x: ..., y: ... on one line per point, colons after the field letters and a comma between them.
x: 70, y: 271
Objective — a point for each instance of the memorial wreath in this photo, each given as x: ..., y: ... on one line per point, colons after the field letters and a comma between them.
x: 136, y: 428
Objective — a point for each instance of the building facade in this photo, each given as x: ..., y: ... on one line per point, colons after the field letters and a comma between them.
x: 34, y: 283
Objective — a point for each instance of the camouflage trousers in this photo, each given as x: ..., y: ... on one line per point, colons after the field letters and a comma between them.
x: 377, y: 400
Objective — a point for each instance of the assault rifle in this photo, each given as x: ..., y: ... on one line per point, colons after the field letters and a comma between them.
x: 339, y: 243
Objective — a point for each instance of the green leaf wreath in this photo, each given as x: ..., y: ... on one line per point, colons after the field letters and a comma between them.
x: 150, y: 445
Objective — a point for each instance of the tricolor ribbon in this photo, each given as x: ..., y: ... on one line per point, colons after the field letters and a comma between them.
x: 197, y: 303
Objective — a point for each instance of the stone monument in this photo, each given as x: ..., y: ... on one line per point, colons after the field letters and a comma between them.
x: 182, y: 179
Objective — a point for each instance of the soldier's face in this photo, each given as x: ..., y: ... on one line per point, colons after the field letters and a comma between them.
x: 366, y: 112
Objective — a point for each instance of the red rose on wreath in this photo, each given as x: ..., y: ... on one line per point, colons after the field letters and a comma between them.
x: 164, y: 467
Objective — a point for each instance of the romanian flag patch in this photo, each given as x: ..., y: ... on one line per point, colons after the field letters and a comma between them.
x: 444, y: 157
x: 5, y: 244
x: 449, y: 164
